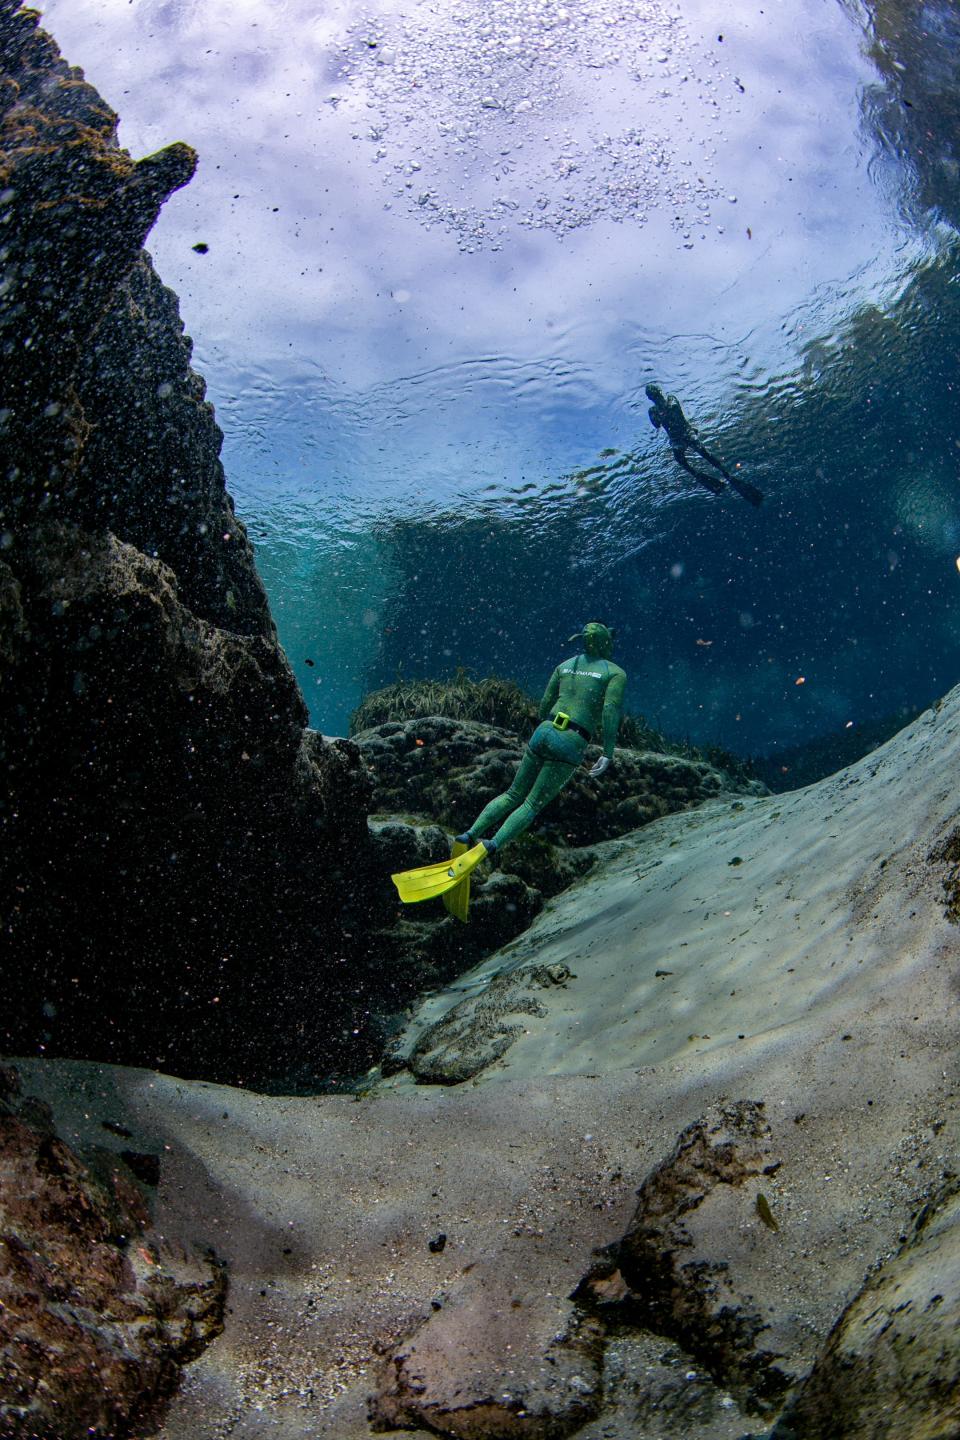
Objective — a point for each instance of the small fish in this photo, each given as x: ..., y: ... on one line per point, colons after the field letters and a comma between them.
x: 309, y: 662
x: 765, y: 1213
x: 201, y: 247
x: 116, y: 1128
x: 705, y: 642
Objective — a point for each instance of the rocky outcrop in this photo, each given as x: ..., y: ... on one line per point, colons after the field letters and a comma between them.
x: 477, y: 1031
x: 675, y: 1270
x: 450, y: 769
x: 545, y: 1396
x: 891, y: 1366
x: 170, y: 834
x: 98, y: 1313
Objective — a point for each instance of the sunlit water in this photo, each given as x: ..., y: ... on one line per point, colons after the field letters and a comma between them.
x: 448, y: 246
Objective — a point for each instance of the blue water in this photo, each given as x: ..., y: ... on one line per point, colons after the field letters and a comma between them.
x: 449, y: 245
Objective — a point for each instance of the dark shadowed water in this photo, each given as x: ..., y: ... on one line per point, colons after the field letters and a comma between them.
x: 447, y: 247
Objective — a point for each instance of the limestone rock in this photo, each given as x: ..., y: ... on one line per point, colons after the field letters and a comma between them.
x: 97, y: 1312
x: 677, y: 1261
x: 455, y: 1376
x: 173, y: 839
x: 479, y: 1029
x: 891, y: 1365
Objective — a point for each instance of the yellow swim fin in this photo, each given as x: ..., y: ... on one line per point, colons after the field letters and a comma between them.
x: 457, y: 900
x: 431, y: 880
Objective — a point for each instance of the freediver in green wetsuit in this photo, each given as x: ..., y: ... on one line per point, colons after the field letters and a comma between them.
x: 584, y: 695
x: 666, y: 413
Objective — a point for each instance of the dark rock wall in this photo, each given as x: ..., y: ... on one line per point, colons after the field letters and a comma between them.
x: 169, y: 831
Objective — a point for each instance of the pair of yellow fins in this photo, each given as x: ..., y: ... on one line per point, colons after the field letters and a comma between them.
x: 449, y: 878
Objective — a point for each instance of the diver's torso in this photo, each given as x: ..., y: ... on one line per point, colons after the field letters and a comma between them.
x: 676, y: 424
x: 583, y: 684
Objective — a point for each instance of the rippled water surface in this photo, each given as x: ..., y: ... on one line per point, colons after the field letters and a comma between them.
x: 449, y: 244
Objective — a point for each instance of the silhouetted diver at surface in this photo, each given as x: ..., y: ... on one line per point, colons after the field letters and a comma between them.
x: 666, y: 413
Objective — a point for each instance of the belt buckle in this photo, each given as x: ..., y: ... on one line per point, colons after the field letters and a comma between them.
x: 561, y: 721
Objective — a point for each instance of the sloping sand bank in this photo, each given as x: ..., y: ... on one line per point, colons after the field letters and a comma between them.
x: 421, y: 1244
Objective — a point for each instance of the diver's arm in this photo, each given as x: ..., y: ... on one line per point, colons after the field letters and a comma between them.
x: 550, y: 694
x: 612, y: 715
x: 612, y: 712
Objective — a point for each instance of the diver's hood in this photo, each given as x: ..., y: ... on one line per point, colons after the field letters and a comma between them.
x: 597, y: 639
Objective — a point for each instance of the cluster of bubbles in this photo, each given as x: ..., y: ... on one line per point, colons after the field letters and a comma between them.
x: 489, y: 119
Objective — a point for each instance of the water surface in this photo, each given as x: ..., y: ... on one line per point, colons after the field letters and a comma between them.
x: 447, y: 247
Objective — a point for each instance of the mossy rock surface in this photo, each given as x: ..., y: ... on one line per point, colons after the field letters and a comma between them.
x: 449, y: 769
x: 491, y: 701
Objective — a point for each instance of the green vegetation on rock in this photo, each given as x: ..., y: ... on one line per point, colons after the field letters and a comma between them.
x: 491, y: 701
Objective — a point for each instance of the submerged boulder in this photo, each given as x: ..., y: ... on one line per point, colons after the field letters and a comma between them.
x: 891, y: 1365
x: 449, y: 769
x: 98, y: 1313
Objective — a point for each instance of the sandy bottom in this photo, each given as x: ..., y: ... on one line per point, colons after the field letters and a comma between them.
x: 805, y: 961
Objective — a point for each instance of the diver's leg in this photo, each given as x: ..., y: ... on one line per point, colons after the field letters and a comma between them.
x: 501, y: 806
x: 710, y: 481
x: 711, y: 459
x: 748, y: 491
x: 742, y: 487
x: 554, y: 774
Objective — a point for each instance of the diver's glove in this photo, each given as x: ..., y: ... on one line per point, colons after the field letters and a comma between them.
x: 601, y: 765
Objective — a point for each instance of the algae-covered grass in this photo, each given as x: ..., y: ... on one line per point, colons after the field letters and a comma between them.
x: 490, y: 701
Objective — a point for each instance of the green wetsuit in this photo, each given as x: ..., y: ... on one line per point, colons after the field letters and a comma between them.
x: 588, y: 689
